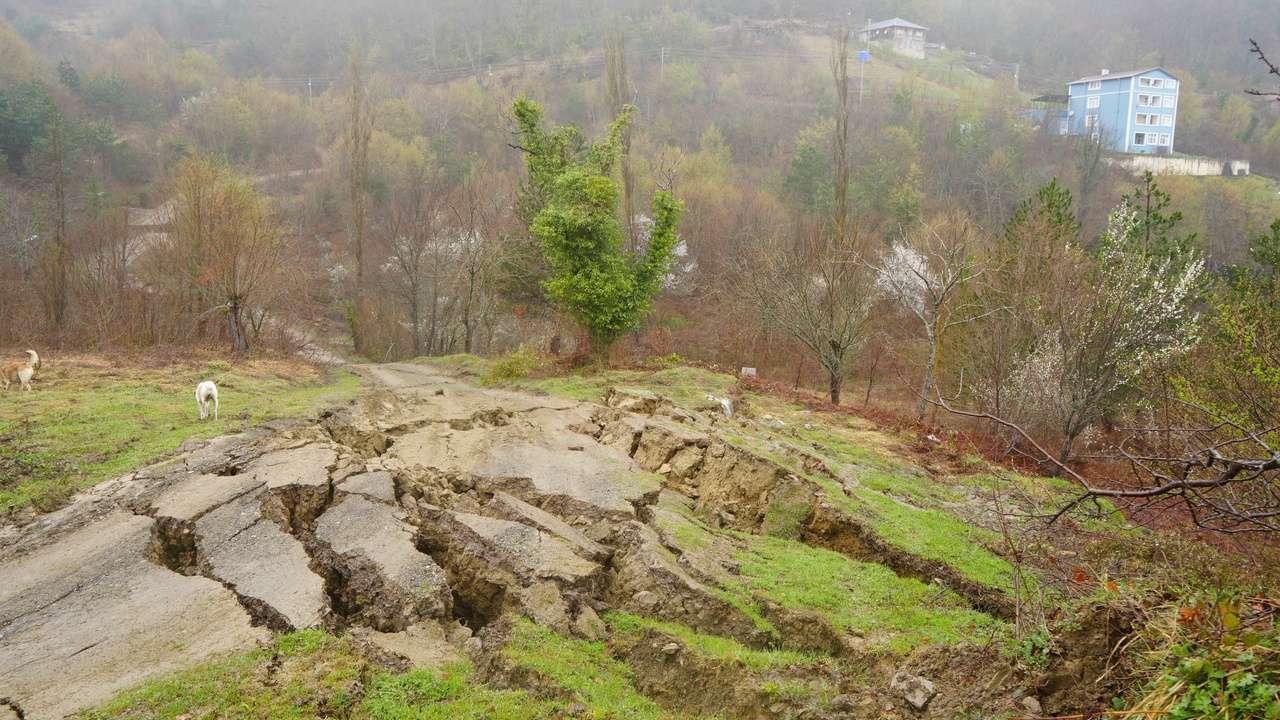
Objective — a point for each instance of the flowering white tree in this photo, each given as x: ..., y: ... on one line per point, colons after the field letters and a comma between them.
x: 1132, y: 309
x: 928, y: 272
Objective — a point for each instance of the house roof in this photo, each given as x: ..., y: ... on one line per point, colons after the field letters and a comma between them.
x: 1115, y: 75
x: 1055, y: 99
x: 896, y: 22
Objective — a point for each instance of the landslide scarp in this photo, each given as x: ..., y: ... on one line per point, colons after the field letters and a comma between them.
x: 428, y: 515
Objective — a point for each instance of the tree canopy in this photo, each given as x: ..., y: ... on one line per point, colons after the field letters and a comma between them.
x: 570, y: 203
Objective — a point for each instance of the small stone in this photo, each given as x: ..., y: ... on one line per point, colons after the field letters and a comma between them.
x: 665, y: 469
x: 671, y: 648
x: 647, y: 602
x: 576, y: 448
x: 439, y: 391
x: 1032, y: 705
x: 917, y: 691
x: 843, y: 703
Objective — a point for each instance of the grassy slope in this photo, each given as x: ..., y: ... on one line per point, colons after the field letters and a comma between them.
x: 91, y: 418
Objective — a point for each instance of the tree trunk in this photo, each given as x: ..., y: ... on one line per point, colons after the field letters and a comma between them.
x: 238, y: 341
x: 1063, y: 455
x: 871, y: 376
x: 836, y: 382
x: 930, y: 369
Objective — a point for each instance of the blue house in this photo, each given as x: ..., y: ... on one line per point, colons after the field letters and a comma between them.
x: 1132, y: 112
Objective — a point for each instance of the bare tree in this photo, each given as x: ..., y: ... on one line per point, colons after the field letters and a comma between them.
x: 1026, y: 279
x: 815, y: 289
x: 1223, y: 476
x: 103, y: 275
x: 479, y: 209
x: 839, y: 62
x: 357, y: 133
x: 421, y: 261
x: 226, y: 246
x: 620, y: 92
x: 1256, y: 49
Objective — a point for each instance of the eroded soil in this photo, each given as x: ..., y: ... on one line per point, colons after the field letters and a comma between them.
x: 420, y: 516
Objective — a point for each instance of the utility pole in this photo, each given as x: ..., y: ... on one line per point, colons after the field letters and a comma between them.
x: 863, y: 57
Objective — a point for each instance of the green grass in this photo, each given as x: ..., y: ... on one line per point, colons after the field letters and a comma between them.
x: 894, y: 612
x: 318, y: 675
x: 713, y: 646
x: 585, y: 669
x: 932, y: 534
x: 314, y: 674
x: 91, y: 419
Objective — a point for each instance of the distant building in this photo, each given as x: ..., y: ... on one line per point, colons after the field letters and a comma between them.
x: 901, y: 36
x: 1132, y: 112
x: 1050, y: 114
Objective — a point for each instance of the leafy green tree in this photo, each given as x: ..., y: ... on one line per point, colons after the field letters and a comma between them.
x: 26, y: 110
x: 108, y: 96
x: 68, y: 75
x: 1154, y: 225
x: 570, y: 203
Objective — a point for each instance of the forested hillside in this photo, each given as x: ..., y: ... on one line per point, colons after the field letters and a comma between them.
x: 244, y: 175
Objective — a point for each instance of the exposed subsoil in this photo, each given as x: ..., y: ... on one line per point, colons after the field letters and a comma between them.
x: 420, y: 515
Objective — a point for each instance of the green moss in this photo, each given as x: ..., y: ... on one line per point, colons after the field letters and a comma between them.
x: 315, y: 674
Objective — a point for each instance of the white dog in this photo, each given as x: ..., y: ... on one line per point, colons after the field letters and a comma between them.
x: 21, y: 372
x: 207, y: 392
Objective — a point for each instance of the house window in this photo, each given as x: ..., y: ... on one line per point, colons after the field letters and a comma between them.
x: 1170, y: 84
x: 1168, y: 101
x: 1157, y: 82
x: 1093, y: 102
x: 1090, y: 121
x: 1144, y: 82
x: 1164, y: 139
x: 1094, y: 138
x: 1062, y: 127
x: 1166, y: 120
x: 1142, y: 119
x: 1151, y: 138
x: 1095, y: 85
x: 1139, y: 138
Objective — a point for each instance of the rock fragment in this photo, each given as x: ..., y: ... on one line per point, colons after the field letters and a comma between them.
x: 916, y: 690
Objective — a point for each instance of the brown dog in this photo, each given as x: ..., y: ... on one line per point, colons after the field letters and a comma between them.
x: 21, y: 372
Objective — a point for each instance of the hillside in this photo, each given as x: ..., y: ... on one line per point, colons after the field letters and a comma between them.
x: 536, y: 553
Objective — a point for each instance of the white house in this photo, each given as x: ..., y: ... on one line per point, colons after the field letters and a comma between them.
x: 906, y: 38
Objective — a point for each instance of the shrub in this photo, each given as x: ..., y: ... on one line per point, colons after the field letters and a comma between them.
x: 514, y: 365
